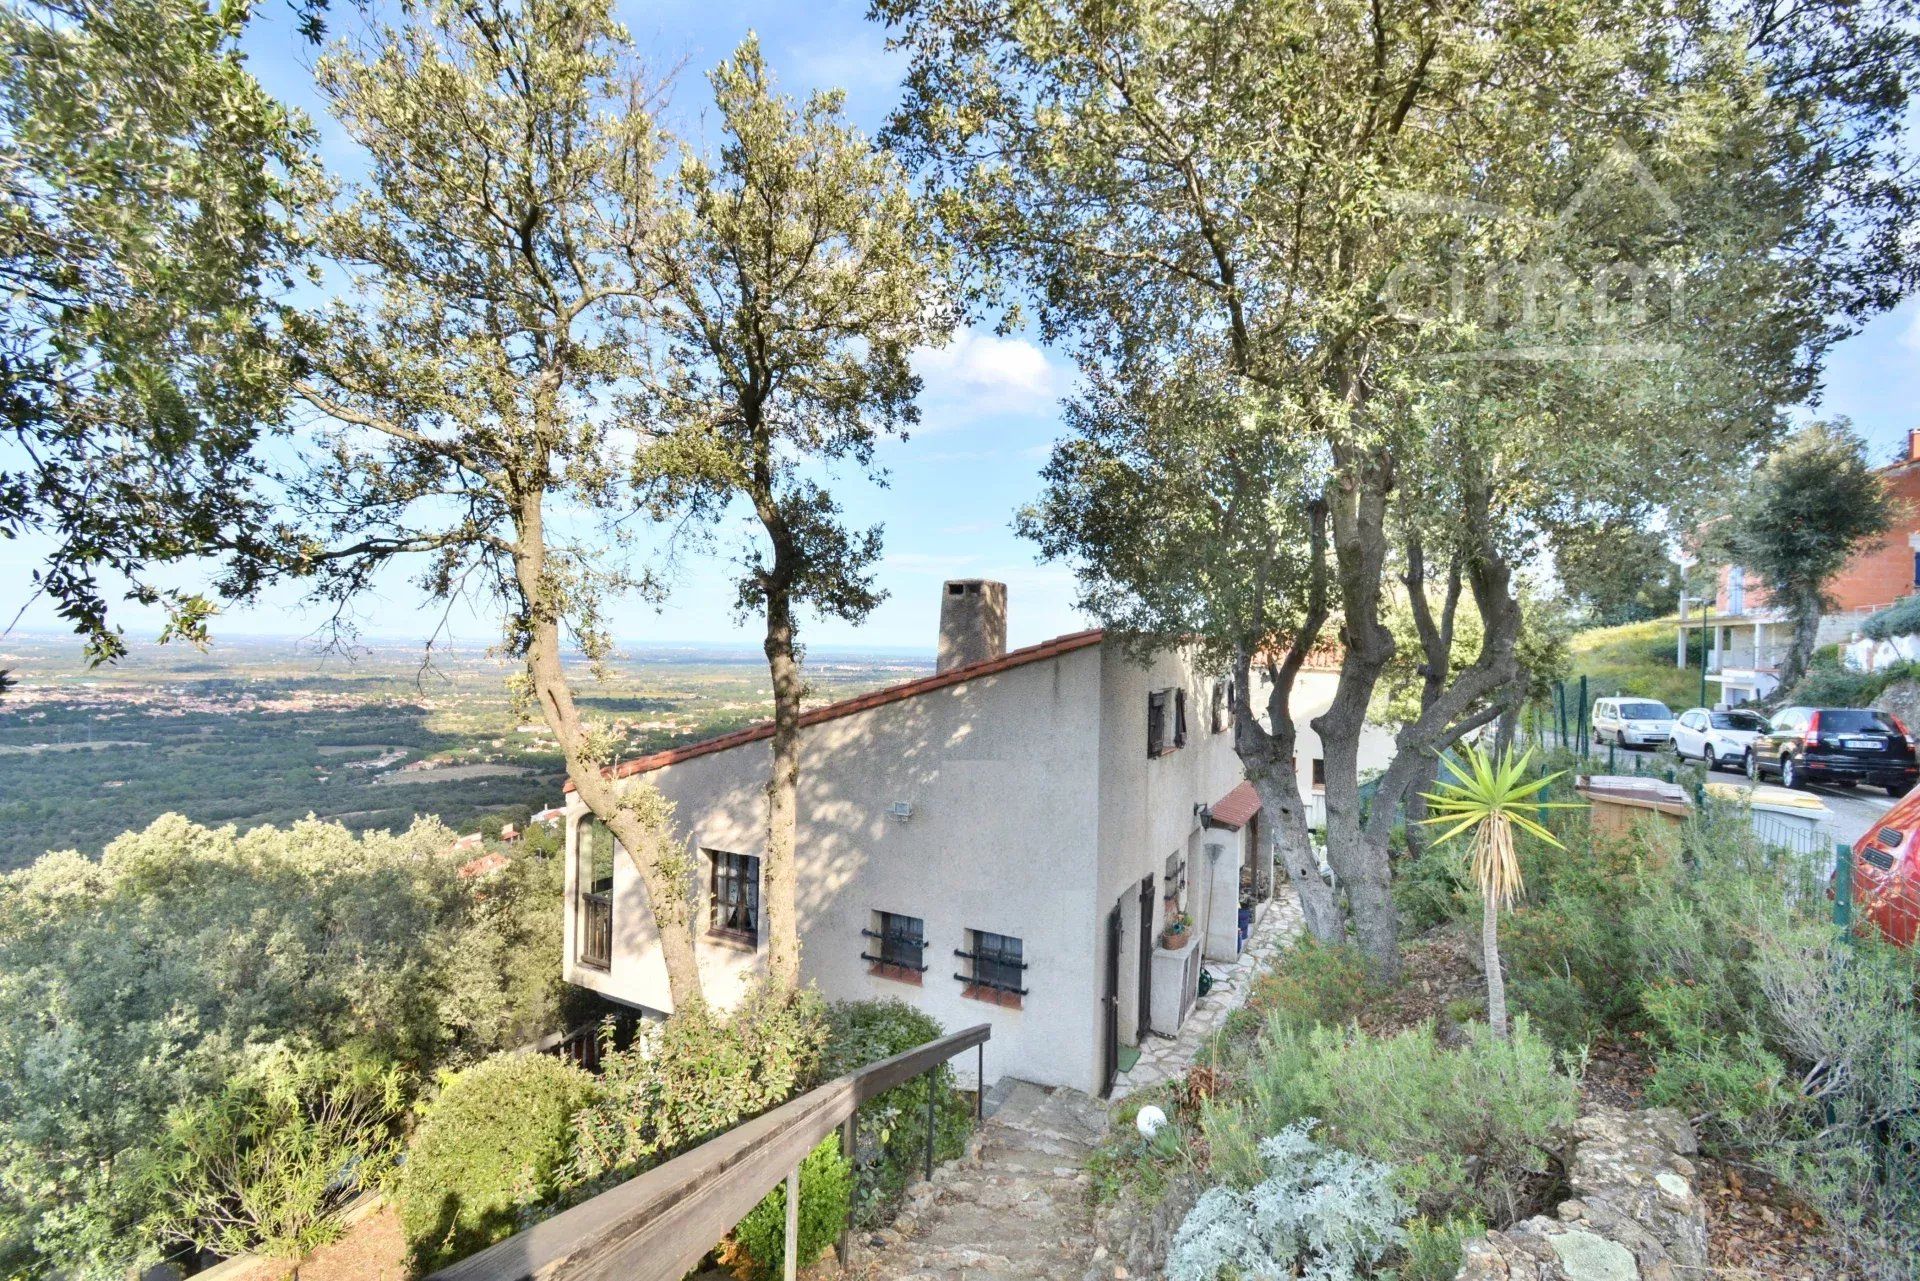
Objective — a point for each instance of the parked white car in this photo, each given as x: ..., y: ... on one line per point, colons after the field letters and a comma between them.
x: 1632, y: 722
x: 1718, y: 739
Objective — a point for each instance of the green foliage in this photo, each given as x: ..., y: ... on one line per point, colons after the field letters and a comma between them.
x: 696, y: 1074
x: 1902, y: 618
x: 265, y: 1164
x: 134, y: 986
x: 1829, y: 683
x: 1427, y: 890
x: 1434, y: 1247
x: 148, y: 179
x: 1467, y: 1130
x: 826, y: 1187
x: 893, y: 1127
x: 1636, y: 658
x: 490, y: 1151
x: 1314, y: 982
x: 1620, y: 573
x: 1316, y: 1212
x: 1813, y: 504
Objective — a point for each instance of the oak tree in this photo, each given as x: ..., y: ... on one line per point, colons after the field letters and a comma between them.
x: 797, y: 274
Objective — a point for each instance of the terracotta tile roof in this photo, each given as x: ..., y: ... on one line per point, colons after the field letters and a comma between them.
x: 1236, y: 809
x: 865, y: 702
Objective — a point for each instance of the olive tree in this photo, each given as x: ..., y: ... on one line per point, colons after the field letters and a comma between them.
x: 147, y: 179
x: 1191, y: 521
x: 796, y: 276
x: 1812, y: 505
x: 1391, y: 218
x: 475, y: 380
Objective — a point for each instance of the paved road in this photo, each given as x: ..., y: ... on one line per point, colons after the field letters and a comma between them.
x: 1855, y: 810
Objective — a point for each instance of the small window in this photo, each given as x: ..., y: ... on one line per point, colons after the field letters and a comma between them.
x: 1180, y: 717
x: 1222, y: 706
x: 899, y: 946
x: 997, y: 965
x: 735, y: 887
x: 1320, y: 773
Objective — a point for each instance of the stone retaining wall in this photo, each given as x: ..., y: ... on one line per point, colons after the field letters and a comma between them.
x: 1634, y: 1214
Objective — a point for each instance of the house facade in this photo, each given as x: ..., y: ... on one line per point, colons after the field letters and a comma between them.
x: 1005, y: 841
x: 1746, y: 637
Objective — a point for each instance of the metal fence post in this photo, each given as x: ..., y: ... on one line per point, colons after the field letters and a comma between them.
x: 980, y: 1082
x: 791, y: 1264
x: 1843, y: 889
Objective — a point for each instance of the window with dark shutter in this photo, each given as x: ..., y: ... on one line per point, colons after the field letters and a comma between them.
x: 1156, y: 722
x: 1222, y: 706
x: 1180, y: 718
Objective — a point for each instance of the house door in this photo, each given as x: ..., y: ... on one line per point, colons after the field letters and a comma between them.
x: 1146, y: 951
x: 1110, y: 1003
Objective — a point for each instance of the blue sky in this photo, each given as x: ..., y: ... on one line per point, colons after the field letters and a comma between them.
x: 989, y: 406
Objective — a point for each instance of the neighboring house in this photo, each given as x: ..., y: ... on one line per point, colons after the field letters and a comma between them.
x: 1747, y: 638
x: 1004, y: 841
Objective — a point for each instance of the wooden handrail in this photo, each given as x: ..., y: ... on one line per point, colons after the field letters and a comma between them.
x: 656, y: 1226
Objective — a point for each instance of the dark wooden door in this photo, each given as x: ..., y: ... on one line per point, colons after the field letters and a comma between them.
x: 1146, y: 949
x: 1110, y: 1002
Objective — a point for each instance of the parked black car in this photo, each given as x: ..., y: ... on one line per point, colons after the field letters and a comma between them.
x: 1837, y: 745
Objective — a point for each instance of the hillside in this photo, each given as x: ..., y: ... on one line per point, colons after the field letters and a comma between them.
x: 1636, y: 658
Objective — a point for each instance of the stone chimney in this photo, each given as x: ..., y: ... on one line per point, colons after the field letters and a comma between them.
x: 973, y: 622
x: 1913, y: 444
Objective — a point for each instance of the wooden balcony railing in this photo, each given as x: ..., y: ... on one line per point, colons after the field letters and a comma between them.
x: 596, y: 929
x: 657, y: 1226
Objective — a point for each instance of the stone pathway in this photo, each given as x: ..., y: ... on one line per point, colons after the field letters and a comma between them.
x: 1014, y: 1208
x: 1162, y: 1057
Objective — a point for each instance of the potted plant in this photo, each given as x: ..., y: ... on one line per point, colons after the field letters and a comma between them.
x: 1174, y: 936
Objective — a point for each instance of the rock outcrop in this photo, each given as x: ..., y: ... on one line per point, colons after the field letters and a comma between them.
x: 1634, y: 1214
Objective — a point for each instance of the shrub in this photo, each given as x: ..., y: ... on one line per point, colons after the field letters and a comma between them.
x: 1435, y: 1248
x: 1318, y: 1212
x: 760, y: 1240
x: 159, y: 963
x: 694, y: 1075
x: 893, y: 1127
x: 1314, y: 983
x: 490, y: 1150
x: 1468, y: 1130
x: 267, y: 1163
x: 1902, y: 618
x: 1427, y: 890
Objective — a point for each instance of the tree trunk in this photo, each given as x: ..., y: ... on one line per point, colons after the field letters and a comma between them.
x: 633, y: 812
x: 1490, y: 957
x: 1267, y: 751
x: 1357, y: 515
x: 1280, y: 805
x: 1806, y: 631
x: 783, y: 786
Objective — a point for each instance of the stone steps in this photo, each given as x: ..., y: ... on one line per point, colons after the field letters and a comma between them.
x: 1014, y: 1208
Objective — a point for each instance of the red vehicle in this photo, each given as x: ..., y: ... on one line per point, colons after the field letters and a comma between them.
x: 1886, y: 872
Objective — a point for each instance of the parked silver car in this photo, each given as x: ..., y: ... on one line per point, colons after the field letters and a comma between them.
x: 1632, y: 722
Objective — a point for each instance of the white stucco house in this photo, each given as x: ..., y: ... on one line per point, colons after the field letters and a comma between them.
x: 1004, y: 841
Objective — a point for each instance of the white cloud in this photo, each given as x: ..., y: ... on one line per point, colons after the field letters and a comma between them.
x: 986, y: 373
x: 1910, y: 336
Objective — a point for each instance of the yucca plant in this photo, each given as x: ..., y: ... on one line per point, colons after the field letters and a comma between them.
x: 1491, y: 799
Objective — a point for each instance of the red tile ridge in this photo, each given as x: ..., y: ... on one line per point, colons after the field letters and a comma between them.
x: 866, y: 702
